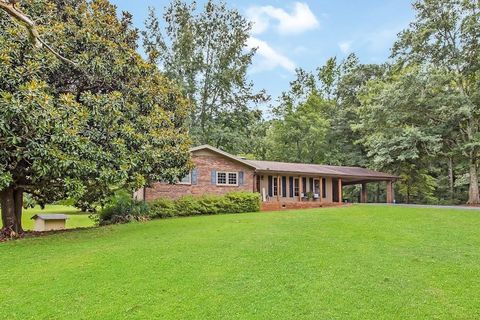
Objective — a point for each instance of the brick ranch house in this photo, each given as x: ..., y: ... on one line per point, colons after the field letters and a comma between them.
x: 281, y: 185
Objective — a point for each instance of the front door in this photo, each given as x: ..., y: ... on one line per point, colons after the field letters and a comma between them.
x: 316, y: 187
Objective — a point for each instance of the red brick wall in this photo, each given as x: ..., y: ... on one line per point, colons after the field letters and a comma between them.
x: 205, y: 161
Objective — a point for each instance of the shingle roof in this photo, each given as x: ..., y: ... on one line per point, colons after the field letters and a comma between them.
x: 318, y: 169
x: 50, y: 216
x: 304, y: 168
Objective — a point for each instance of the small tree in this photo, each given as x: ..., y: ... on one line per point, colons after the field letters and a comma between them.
x: 113, y: 121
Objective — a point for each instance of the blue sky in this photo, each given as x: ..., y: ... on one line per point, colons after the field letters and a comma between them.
x: 291, y: 34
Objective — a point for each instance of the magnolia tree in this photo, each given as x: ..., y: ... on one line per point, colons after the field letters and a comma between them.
x: 107, y: 120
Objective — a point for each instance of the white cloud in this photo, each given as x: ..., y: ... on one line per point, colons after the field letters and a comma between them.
x: 345, y: 46
x: 270, y: 59
x: 260, y: 23
x: 300, y: 19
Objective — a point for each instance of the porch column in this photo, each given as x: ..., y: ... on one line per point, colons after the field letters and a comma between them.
x: 278, y: 188
x: 363, y: 194
x: 340, y: 195
x: 300, y: 187
x: 287, y: 187
x: 390, y: 194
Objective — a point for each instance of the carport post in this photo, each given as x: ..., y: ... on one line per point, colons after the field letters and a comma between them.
x: 340, y: 194
x: 390, y: 195
x: 363, y: 193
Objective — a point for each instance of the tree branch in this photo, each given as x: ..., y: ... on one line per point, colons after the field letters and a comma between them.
x: 17, y: 15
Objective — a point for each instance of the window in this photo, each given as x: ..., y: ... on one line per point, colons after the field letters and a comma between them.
x: 284, y: 186
x: 227, y: 178
x: 186, y: 180
x: 221, y: 178
x: 232, y: 178
x: 316, y: 187
x: 297, y: 187
x: 275, y: 186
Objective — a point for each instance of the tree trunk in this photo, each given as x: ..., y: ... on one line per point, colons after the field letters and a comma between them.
x: 408, y: 193
x: 451, y: 179
x: 8, y: 207
x: 473, y: 196
x: 18, y: 200
x: 11, y: 201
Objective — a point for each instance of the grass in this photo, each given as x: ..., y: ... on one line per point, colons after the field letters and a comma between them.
x: 356, y: 262
x: 77, y: 219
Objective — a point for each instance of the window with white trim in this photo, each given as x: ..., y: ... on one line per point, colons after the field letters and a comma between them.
x: 233, y: 178
x: 296, y: 188
x: 187, y: 179
x: 227, y: 178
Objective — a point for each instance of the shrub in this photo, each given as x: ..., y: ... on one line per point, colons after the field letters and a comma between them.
x: 125, y: 210
x: 187, y: 206
x: 235, y: 202
x: 243, y: 202
x: 162, y: 208
x: 210, y: 204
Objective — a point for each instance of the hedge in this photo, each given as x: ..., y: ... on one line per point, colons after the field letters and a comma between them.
x: 123, y: 211
x: 131, y: 210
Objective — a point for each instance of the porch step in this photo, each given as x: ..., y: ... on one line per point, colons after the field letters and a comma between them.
x: 279, y: 205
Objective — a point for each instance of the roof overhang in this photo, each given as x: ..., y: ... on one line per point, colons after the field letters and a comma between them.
x: 350, y: 179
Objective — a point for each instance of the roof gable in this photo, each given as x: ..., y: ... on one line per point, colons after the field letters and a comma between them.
x: 223, y: 153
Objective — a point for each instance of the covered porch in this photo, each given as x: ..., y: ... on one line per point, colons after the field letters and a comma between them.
x: 287, y: 185
x: 284, y: 190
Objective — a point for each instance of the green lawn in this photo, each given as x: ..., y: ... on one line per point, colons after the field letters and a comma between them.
x: 76, y: 219
x: 357, y: 262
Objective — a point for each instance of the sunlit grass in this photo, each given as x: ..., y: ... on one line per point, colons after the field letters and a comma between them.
x: 76, y: 219
x: 356, y: 262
